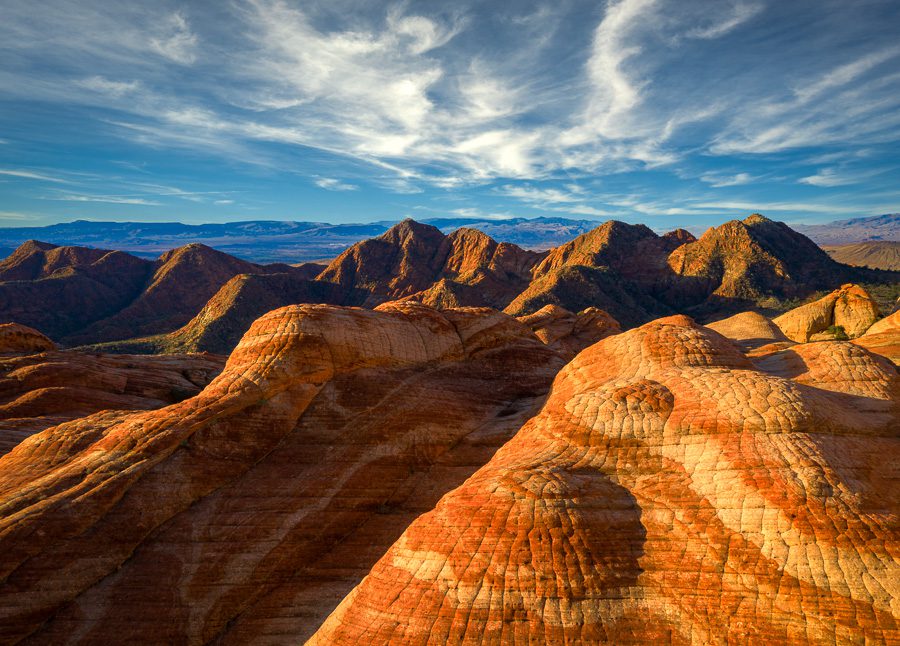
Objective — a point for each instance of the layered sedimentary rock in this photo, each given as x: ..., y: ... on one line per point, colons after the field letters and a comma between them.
x: 750, y: 330
x: 41, y: 390
x: 21, y: 339
x: 883, y: 337
x: 849, y: 308
x: 569, y: 333
x: 670, y: 491
x: 245, y: 513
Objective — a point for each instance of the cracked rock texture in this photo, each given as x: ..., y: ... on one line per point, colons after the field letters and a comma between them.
x: 669, y: 491
x: 246, y: 513
x: 884, y: 338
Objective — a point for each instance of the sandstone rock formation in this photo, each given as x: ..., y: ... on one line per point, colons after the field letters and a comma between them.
x: 569, y: 333
x: 670, y: 491
x: 21, y: 339
x: 244, y: 514
x: 40, y: 391
x: 849, y: 308
x: 750, y: 330
x: 883, y: 338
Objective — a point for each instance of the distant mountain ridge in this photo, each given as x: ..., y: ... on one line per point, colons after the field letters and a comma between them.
x: 276, y: 241
x: 200, y: 299
x: 879, y: 227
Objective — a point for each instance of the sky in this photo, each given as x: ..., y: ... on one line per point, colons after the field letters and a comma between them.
x: 667, y: 112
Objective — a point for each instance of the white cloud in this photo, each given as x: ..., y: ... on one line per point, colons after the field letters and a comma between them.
x: 101, y: 85
x: 741, y: 14
x: 718, y: 180
x: 223, y: 202
x: 331, y: 184
x: 176, y: 42
x: 27, y: 174
x: 107, y: 199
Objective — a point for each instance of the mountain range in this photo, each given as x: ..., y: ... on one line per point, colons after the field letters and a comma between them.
x: 196, y: 298
x: 264, y: 241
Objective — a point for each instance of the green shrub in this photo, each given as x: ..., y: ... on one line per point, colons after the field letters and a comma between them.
x: 838, y: 332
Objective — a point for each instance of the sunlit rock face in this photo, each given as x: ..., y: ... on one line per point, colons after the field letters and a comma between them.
x: 669, y: 491
x: 883, y: 338
x: 244, y: 514
x: 849, y: 308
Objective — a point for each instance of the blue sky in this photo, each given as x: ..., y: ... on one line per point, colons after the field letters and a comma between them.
x: 669, y: 112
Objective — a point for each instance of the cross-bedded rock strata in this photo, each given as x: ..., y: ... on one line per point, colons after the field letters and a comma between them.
x: 247, y: 512
x: 669, y: 491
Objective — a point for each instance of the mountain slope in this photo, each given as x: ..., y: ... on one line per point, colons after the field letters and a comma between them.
x: 80, y: 296
x: 879, y: 227
x: 877, y: 255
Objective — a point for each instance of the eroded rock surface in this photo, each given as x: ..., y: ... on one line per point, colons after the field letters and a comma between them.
x: 570, y: 333
x: 21, y: 339
x: 246, y: 513
x: 670, y: 491
x: 849, y: 308
x: 43, y: 390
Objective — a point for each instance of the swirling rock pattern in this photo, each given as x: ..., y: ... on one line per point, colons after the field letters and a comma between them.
x: 670, y: 491
x: 247, y: 512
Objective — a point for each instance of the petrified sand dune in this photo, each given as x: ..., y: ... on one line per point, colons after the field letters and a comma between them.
x: 567, y: 332
x: 849, y: 307
x: 883, y: 338
x: 750, y: 330
x: 247, y: 512
x: 40, y: 391
x: 21, y: 339
x: 669, y: 492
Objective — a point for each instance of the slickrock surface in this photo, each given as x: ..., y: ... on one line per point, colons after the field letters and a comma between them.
x: 668, y: 492
x: 569, y: 333
x: 39, y: 391
x: 21, y: 339
x: 750, y: 330
x: 883, y: 337
x: 246, y: 513
x: 849, y: 307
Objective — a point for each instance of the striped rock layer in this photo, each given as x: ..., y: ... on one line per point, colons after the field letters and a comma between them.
x: 669, y: 491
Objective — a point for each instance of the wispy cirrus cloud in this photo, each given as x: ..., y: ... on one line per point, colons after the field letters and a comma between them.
x: 28, y: 174
x: 106, y: 199
x: 331, y: 184
x: 525, y: 98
